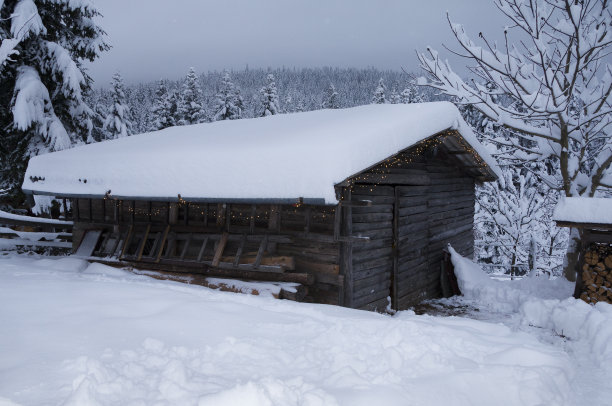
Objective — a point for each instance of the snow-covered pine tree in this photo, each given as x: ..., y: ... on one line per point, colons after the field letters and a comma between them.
x: 162, y: 116
x: 394, y: 98
x: 560, y: 84
x: 410, y: 95
x: 379, y: 94
x: 269, y: 98
x: 330, y: 98
x: 42, y: 81
x: 118, y: 119
x: 228, y: 102
x: 190, y: 108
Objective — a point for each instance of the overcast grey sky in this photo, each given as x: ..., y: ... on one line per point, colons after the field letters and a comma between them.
x: 161, y: 38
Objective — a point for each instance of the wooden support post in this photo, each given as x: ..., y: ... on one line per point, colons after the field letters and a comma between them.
x: 76, y: 215
x: 65, y: 206
x: 186, y: 214
x: 143, y: 243
x: 346, y: 249
x: 308, y: 215
x: 149, y: 209
x: 260, y: 252
x: 133, y: 214
x: 239, y: 251
x: 228, y: 217
x: 274, y: 222
x: 202, y: 249
x: 103, y: 210
x: 121, y: 216
x: 163, y: 242
x: 220, y: 248
x: 186, y: 247
x: 116, y: 212
x: 205, y: 215
x: 252, y: 219
x: 220, y: 211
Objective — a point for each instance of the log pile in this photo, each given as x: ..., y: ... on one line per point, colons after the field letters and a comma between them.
x: 597, y: 274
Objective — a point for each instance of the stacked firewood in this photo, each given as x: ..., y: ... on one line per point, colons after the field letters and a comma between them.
x: 597, y: 274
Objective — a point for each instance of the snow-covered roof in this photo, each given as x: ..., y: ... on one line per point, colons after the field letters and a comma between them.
x: 584, y: 210
x: 282, y: 157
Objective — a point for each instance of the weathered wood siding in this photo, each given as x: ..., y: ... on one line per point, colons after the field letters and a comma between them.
x: 420, y: 203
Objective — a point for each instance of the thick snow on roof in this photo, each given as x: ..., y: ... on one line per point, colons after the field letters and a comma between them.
x: 594, y: 210
x: 279, y: 157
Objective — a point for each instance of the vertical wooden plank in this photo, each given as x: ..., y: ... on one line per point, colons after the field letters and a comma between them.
x: 202, y: 249
x: 163, y: 242
x: 274, y: 218
x: 186, y: 214
x: 133, y: 214
x: 260, y: 252
x: 228, y: 217
x: 240, y: 249
x: 149, y: 209
x: 346, y: 248
x: 121, y: 216
x: 337, y: 221
x: 220, y: 248
x: 104, y: 209
x: 205, y: 215
x: 395, y: 250
x: 90, y: 210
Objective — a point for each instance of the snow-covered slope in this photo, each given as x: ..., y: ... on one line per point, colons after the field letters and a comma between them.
x: 279, y: 157
x: 79, y: 334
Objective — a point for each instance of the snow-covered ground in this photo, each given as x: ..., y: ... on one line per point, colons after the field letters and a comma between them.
x: 72, y: 333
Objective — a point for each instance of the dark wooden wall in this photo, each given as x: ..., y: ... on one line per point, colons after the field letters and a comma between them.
x: 420, y: 202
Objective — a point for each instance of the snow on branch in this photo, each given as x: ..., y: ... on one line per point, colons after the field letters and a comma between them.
x: 557, y: 80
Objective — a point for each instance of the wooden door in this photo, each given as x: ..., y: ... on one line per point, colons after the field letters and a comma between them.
x: 410, y: 240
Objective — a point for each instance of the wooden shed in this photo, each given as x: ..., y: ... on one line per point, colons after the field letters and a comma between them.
x: 356, y: 205
x: 592, y: 217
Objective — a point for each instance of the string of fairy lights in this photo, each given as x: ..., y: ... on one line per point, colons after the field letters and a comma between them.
x: 383, y: 170
x: 408, y: 157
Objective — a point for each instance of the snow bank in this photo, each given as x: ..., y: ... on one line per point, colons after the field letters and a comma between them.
x: 79, y: 334
x: 584, y: 210
x: 542, y: 303
x: 288, y: 156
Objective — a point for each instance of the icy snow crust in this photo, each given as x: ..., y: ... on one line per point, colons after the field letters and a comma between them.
x: 75, y: 333
x: 584, y: 210
x: 278, y: 157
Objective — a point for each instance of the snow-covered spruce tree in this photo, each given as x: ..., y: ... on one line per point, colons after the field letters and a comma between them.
x: 228, y: 103
x: 379, y: 94
x: 330, y: 98
x: 560, y: 84
x: 394, y: 98
x: 42, y: 82
x: 162, y: 116
x: 190, y: 108
x: 118, y: 118
x: 410, y: 95
x: 269, y: 98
